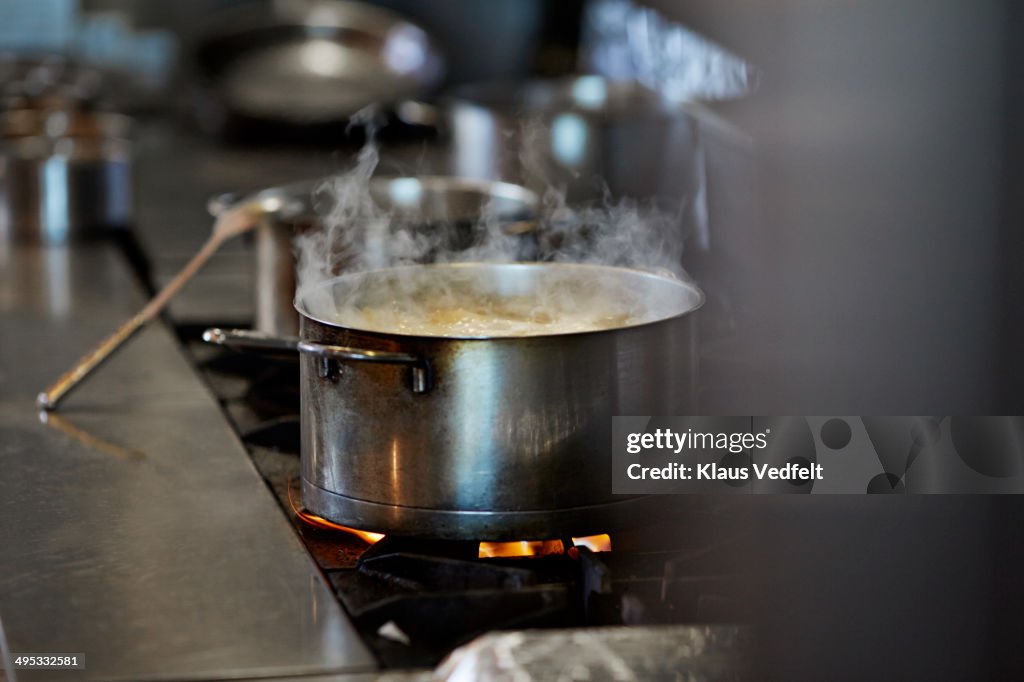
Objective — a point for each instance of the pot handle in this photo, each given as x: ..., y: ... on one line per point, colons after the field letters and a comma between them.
x: 245, y: 339
x: 248, y: 340
x: 223, y: 202
x: 281, y: 201
x: 416, y: 113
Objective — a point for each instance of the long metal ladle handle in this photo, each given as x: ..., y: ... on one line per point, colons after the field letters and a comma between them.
x: 227, y: 226
x: 244, y: 339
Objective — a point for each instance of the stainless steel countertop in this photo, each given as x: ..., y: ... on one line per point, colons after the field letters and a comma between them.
x: 133, y: 527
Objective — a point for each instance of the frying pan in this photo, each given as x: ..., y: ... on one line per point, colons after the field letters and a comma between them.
x: 307, y: 62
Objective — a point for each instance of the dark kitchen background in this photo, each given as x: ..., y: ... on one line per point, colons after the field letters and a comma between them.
x: 860, y: 243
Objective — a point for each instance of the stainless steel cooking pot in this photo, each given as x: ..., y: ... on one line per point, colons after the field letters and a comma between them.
x: 583, y: 134
x: 418, y: 202
x: 487, y: 438
x: 64, y: 174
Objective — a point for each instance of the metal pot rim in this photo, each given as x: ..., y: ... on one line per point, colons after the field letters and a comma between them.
x: 690, y: 286
x: 283, y: 200
x: 587, y: 95
x: 61, y: 124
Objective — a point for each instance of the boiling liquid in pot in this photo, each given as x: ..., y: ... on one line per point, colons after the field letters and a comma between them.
x: 507, y: 300
x: 472, y: 314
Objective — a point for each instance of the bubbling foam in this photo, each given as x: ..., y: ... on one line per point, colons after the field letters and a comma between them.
x: 491, y: 300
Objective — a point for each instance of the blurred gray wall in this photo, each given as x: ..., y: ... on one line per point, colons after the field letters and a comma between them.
x: 890, y: 237
x: 882, y: 163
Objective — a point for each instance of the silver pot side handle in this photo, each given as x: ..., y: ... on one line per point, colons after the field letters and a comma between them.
x: 419, y: 366
x: 223, y: 202
x: 248, y: 340
x: 287, y: 201
x: 412, y: 112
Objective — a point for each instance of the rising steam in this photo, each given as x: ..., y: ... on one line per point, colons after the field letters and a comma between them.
x: 364, y: 232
